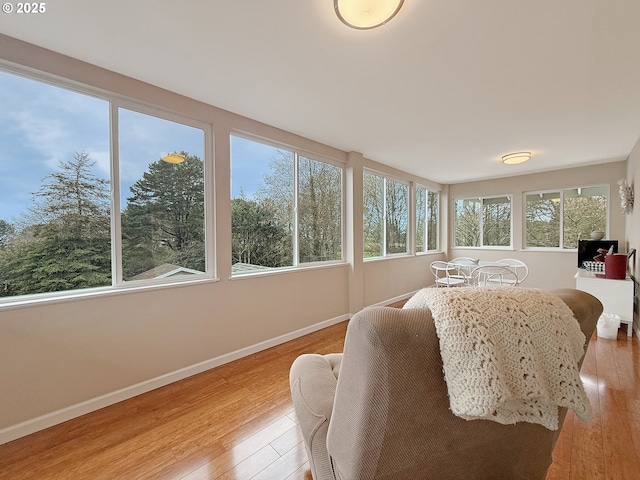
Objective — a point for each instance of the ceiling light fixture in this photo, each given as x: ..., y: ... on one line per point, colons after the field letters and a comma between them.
x: 517, y: 157
x: 173, y: 158
x: 366, y: 14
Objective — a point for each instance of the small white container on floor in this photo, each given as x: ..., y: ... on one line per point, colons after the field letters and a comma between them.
x: 608, y: 325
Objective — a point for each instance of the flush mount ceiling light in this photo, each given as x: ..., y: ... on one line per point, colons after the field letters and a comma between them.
x: 366, y: 14
x: 516, y: 157
x: 173, y: 158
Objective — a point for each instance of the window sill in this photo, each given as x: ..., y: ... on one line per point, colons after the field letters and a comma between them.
x: 509, y: 249
x: 25, y: 301
x: 288, y: 270
x: 388, y: 257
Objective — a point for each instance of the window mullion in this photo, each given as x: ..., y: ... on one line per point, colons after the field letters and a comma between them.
x: 384, y: 217
x: 296, y: 184
x: 116, y: 219
x: 561, y: 242
x: 427, y: 230
x: 481, y: 221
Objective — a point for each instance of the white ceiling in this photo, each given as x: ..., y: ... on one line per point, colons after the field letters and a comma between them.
x: 441, y: 91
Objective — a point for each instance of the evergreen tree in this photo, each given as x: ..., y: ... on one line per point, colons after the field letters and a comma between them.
x: 164, y: 218
x: 65, y: 241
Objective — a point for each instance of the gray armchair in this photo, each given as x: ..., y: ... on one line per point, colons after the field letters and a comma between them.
x: 381, y: 409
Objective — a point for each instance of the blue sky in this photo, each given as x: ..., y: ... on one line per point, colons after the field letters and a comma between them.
x: 248, y: 173
x: 41, y: 124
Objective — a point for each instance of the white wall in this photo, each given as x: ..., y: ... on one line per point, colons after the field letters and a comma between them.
x: 547, y: 269
x: 66, y: 357
x: 633, y: 219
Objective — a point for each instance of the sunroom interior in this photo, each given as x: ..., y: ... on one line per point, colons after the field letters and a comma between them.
x: 76, y: 351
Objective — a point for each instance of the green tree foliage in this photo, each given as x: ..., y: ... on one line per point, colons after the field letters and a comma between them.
x: 7, y: 230
x: 65, y: 241
x: 163, y: 221
x: 277, y: 195
x: 543, y: 220
x: 319, y: 211
x: 421, y: 219
x: 426, y: 219
x: 319, y: 206
x: 496, y: 221
x: 582, y: 210
x: 397, y: 216
x: 583, y: 215
x: 385, y: 215
x: 467, y: 222
x: 373, y: 214
x: 257, y: 239
x: 433, y: 217
x: 483, y: 222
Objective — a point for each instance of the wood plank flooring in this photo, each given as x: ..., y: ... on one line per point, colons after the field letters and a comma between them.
x: 237, y: 422
x: 608, y: 447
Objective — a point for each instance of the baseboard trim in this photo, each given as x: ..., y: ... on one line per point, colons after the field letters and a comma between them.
x: 395, y: 299
x: 42, y: 422
x: 389, y: 301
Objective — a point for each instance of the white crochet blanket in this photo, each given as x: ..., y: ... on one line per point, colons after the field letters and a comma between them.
x: 509, y: 354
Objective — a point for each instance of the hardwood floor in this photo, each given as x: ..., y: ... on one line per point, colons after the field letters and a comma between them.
x: 236, y: 422
x: 608, y: 447
x: 232, y: 422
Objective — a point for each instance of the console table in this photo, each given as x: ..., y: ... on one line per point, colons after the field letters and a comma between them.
x: 616, y: 295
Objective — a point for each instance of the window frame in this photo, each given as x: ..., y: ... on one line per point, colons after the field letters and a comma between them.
x: 116, y: 101
x: 297, y: 153
x: 481, y: 198
x: 209, y: 194
x: 426, y: 230
x: 561, y: 192
x: 386, y: 178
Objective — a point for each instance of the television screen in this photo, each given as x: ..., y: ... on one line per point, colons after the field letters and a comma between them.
x: 588, y: 249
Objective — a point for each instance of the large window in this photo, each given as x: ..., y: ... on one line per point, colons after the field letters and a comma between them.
x: 385, y: 215
x: 427, y: 218
x: 163, y: 218
x: 74, y: 213
x: 286, y: 208
x: 482, y: 222
x: 558, y: 219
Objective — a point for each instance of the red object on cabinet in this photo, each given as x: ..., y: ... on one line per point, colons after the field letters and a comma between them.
x: 615, y: 266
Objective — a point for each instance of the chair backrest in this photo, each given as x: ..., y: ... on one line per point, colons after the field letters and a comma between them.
x: 391, y: 417
x: 492, y: 275
x: 518, y: 266
x: 446, y: 274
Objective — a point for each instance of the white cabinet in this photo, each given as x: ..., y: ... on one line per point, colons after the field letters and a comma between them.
x: 616, y: 295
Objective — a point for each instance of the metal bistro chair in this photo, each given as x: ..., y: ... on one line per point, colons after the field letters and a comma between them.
x: 493, y: 275
x: 446, y: 274
x: 518, y: 267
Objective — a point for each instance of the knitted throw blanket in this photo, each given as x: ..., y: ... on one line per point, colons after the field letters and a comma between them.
x: 509, y: 354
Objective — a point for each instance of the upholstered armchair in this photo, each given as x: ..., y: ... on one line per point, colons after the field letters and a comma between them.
x: 381, y: 410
